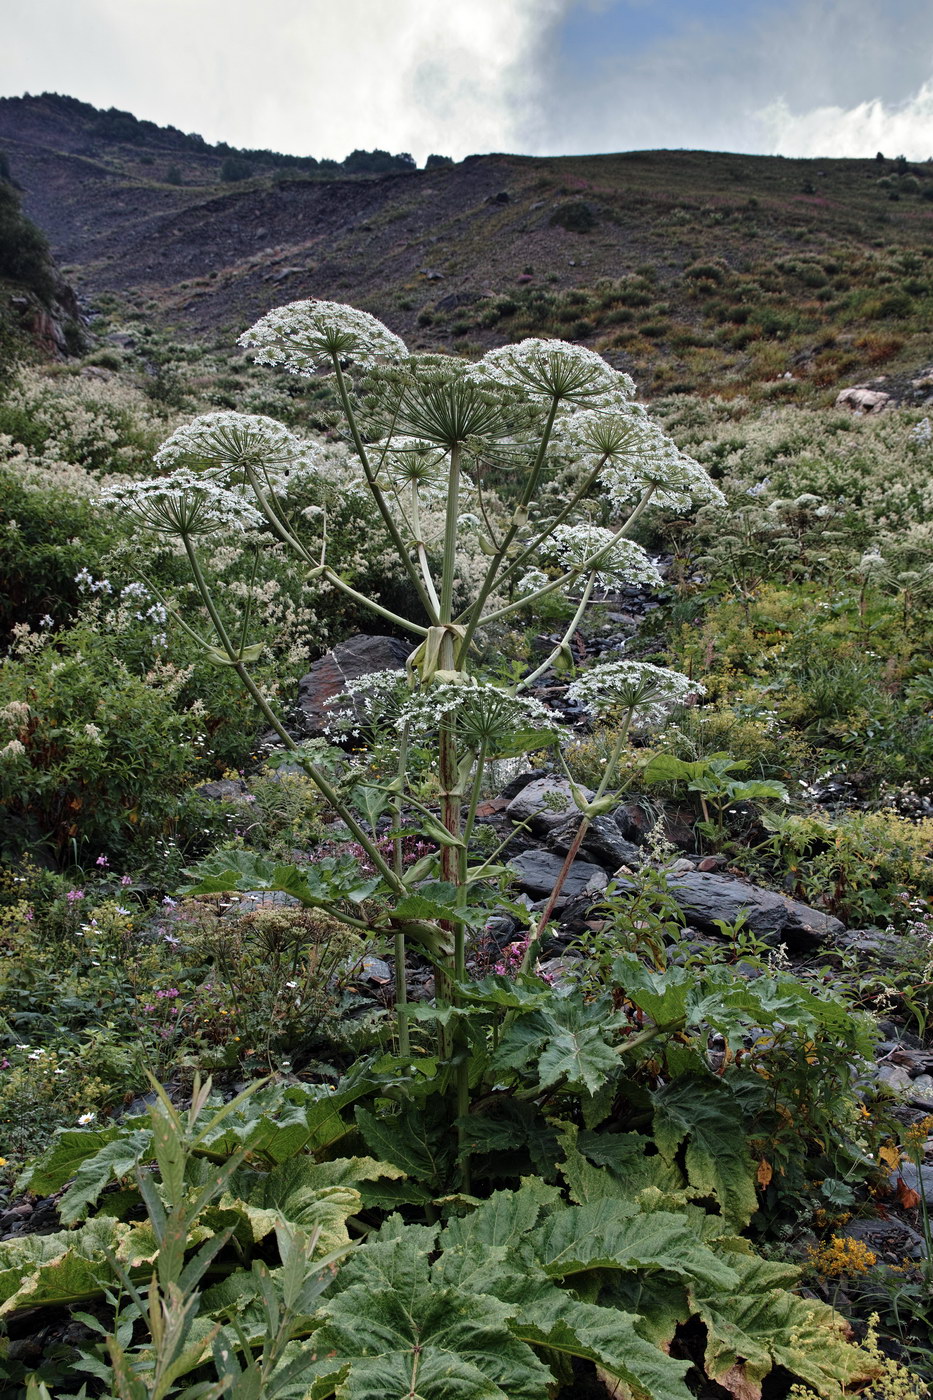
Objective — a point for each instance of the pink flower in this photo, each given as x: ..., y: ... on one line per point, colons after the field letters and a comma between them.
x: 126, y: 880
x: 102, y: 860
x: 74, y: 895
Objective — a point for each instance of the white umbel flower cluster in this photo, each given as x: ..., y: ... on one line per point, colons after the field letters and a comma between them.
x: 227, y: 445
x: 184, y: 505
x: 305, y: 337
x: 621, y: 560
x: 651, y: 692
x: 483, y: 714
x: 554, y: 369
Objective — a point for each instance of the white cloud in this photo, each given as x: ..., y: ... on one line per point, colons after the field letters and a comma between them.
x: 904, y: 128
x: 304, y: 76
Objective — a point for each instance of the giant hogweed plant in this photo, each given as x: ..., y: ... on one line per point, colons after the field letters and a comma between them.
x: 428, y: 429
x: 498, y: 1303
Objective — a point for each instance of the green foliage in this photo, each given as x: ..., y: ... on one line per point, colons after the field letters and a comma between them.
x: 24, y: 252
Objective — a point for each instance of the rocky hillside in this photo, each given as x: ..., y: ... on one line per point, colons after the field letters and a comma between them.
x: 717, y: 272
x: 39, y: 313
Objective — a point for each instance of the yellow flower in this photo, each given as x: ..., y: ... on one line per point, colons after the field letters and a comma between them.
x: 841, y: 1255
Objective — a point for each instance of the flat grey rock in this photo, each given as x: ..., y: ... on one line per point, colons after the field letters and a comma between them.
x: 224, y: 790
x: 705, y: 897
x: 920, y: 1091
x: 536, y: 873
x: 544, y: 804
x: 603, y: 843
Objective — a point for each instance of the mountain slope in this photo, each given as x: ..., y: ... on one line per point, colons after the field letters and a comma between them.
x: 693, y: 270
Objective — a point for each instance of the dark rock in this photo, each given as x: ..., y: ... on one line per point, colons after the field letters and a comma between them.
x: 891, y: 1234
x: 636, y: 818
x: 521, y: 780
x: 223, y: 790
x: 921, y: 1182
x: 775, y: 918
x: 360, y: 656
x: 536, y: 873
x: 603, y: 842
x: 545, y: 803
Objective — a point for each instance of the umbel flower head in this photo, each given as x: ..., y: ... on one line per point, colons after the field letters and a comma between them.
x: 650, y: 692
x: 554, y: 369
x: 229, y: 445
x: 184, y: 505
x: 306, y: 337
x: 483, y: 715
x: 621, y: 560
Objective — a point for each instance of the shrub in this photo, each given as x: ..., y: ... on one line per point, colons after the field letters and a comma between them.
x: 576, y: 216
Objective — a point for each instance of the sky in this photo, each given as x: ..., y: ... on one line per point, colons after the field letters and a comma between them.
x: 457, y: 77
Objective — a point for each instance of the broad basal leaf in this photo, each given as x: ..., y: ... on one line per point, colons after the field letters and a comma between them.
x: 703, y: 1111
x: 760, y: 1325
x: 115, y: 1159
x: 69, y: 1265
x: 604, y: 1235
x: 394, y: 1333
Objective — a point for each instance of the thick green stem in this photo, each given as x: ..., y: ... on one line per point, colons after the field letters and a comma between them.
x: 379, y: 498
x: 397, y: 621
x: 401, y: 976
x: 534, y: 942
x: 565, y: 639
x: 476, y: 609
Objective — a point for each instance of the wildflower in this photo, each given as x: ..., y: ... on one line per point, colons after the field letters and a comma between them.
x: 651, y: 692
x: 126, y: 880
x: 622, y: 560
x: 229, y: 446
x: 840, y: 1256
x: 185, y: 504
x: 307, y: 336
x: 93, y: 733
x: 102, y: 860
x: 4, y: 1162
x: 85, y: 1119
x: 554, y: 369
x: 13, y: 748
x: 73, y: 896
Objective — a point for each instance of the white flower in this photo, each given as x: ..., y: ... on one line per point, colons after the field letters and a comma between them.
x: 13, y: 749
x: 92, y: 732
x: 85, y: 1119
x: 230, y: 445
x: 651, y: 692
x: 306, y: 336
x: 554, y: 369
x: 531, y: 582
x: 184, y: 504
x: 622, y: 560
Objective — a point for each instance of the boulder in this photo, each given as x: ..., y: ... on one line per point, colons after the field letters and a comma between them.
x: 536, y: 873
x: 603, y: 842
x: 545, y: 803
x: 861, y: 399
x: 360, y: 656
x: 775, y: 918
x: 224, y: 790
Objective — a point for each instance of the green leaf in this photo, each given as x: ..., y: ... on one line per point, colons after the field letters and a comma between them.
x: 69, y: 1148
x: 410, y: 1140
x: 395, y: 1333
x: 116, y: 1158
x: 703, y: 1112
x: 608, y: 1336
x: 605, y: 1235
x: 68, y: 1266
x: 577, y: 1059
x: 760, y: 1325
x: 438, y: 900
